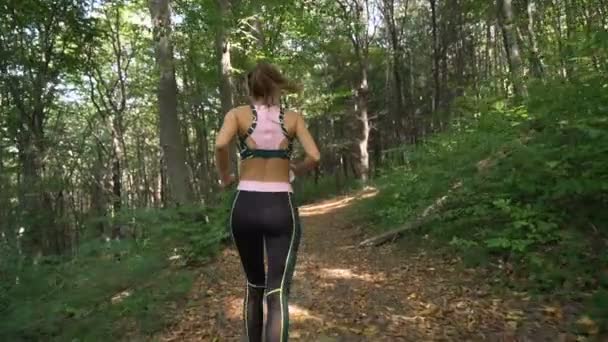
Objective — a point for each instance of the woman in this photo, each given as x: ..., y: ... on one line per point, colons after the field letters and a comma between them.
x: 263, y: 214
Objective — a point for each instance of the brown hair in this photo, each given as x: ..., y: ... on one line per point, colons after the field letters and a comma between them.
x: 266, y: 82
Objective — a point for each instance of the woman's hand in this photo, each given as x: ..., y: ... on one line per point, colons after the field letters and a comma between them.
x: 294, y: 170
x: 292, y: 173
x: 226, y: 181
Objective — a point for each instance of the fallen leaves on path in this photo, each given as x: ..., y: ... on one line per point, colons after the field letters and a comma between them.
x: 341, y: 293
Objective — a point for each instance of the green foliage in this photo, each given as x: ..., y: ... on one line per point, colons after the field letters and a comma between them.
x: 77, y: 95
x: 109, y: 287
x: 598, y: 306
x: 533, y: 184
x: 433, y: 167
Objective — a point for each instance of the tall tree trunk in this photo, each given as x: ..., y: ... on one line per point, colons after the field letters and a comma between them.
x: 31, y: 150
x: 222, y: 49
x: 3, y: 192
x: 361, y: 123
x: 571, y: 28
x: 496, y: 65
x: 506, y: 19
x: 142, y: 184
x: 535, y: 59
x: 412, y: 88
x: 258, y: 33
x: 392, y: 120
x: 602, y: 10
x: 39, y: 219
x: 98, y: 195
x: 161, y: 190
x: 7, y: 230
x: 436, y: 57
x: 170, y: 135
x: 116, y: 157
x: 487, y: 53
x: 358, y: 11
x: 203, y: 151
x: 222, y: 46
x: 397, y: 98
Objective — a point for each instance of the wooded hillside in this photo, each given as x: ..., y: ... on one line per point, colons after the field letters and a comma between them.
x: 109, y: 110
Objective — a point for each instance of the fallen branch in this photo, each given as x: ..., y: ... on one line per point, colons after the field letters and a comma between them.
x: 394, y: 234
x: 488, y: 163
x: 427, y: 215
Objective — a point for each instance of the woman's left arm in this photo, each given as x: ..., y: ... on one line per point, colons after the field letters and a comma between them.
x: 222, y: 148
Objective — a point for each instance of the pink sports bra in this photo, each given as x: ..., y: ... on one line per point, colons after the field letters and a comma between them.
x: 267, y: 131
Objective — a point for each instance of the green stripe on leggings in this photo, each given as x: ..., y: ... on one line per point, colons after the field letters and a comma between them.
x: 289, y: 269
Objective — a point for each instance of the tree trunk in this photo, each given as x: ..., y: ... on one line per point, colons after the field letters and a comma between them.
x: 397, y: 98
x: 535, y: 59
x: 392, y: 120
x: 361, y: 128
x: 37, y: 214
x: 98, y: 196
x: 436, y: 57
x: 258, y: 33
x: 116, y: 157
x: 39, y: 219
x: 222, y: 49
x: 570, y: 12
x: 161, y: 190
x: 361, y: 123
x: 203, y: 153
x: 222, y: 46
x: 143, y: 185
x: 170, y: 135
x: 602, y: 10
x: 3, y: 193
x: 487, y: 54
x: 506, y: 19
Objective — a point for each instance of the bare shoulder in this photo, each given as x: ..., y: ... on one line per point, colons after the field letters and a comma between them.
x: 291, y: 119
x: 294, y: 116
x: 239, y: 111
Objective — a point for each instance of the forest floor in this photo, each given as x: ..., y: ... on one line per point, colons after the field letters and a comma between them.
x: 344, y: 293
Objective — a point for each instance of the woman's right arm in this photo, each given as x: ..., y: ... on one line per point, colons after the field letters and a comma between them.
x: 313, y: 156
x: 222, y: 146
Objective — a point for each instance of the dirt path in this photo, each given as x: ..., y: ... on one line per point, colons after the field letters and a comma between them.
x: 343, y: 293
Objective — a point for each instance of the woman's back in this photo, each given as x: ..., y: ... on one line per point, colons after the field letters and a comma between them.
x: 263, y: 127
x: 267, y: 135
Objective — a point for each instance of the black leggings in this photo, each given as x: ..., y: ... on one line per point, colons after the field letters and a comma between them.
x: 258, y: 221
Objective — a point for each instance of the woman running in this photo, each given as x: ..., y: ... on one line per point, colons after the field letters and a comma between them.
x: 263, y: 213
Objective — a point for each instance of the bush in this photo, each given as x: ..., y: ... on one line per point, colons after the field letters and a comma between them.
x: 534, y: 184
x: 111, y: 290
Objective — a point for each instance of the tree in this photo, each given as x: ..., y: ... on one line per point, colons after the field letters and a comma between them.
x: 223, y: 46
x: 41, y: 43
x: 506, y: 21
x: 357, y: 11
x: 174, y: 153
x: 108, y: 93
x: 436, y: 57
x: 396, y: 100
x: 536, y: 62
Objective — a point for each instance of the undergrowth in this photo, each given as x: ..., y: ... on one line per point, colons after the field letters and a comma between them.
x: 110, y: 290
x: 308, y: 190
x: 529, y: 189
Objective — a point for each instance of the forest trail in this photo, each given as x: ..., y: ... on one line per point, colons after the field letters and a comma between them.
x: 344, y: 293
